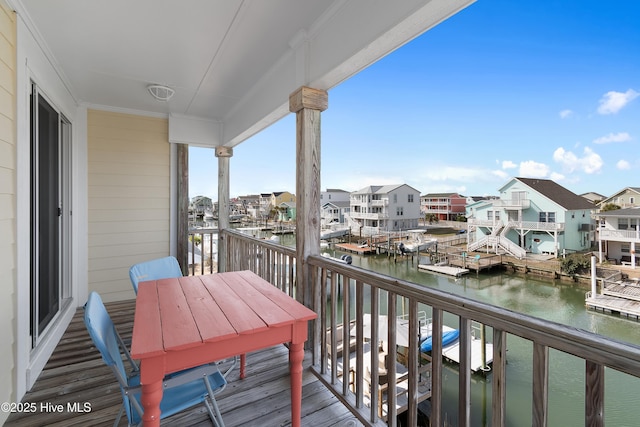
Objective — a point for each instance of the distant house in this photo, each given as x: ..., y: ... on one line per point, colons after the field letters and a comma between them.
x: 380, y: 208
x: 334, y: 195
x: 269, y: 201
x: 445, y: 206
x: 248, y: 205
x: 593, y: 197
x: 200, y: 205
x: 287, y: 211
x: 626, y: 198
x: 334, y: 213
x: 532, y: 215
x: 279, y: 197
x: 618, y: 235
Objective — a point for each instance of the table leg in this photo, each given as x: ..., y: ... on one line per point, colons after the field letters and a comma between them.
x: 296, y: 355
x: 243, y: 360
x: 150, y: 399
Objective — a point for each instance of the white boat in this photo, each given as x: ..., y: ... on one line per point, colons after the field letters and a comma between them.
x: 417, y: 242
x: 331, y: 233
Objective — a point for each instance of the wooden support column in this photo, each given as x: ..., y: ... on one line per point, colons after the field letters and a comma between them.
x: 223, y: 154
x: 182, y: 250
x: 307, y: 103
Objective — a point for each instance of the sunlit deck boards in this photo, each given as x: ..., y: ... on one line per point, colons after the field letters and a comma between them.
x: 75, y: 373
x: 613, y: 304
x: 444, y: 269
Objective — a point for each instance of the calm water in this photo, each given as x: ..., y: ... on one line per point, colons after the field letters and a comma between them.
x: 552, y: 300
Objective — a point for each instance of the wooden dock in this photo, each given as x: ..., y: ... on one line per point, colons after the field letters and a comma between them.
x: 356, y: 249
x: 621, y: 297
x: 476, y: 262
x: 444, y: 269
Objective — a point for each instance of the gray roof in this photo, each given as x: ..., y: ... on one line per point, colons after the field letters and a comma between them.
x: 381, y: 189
x: 339, y: 204
x: 557, y: 193
x: 618, y: 213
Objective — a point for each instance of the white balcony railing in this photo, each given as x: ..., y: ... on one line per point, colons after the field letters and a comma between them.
x: 620, y: 235
x: 512, y: 204
x: 342, y: 294
x: 538, y: 226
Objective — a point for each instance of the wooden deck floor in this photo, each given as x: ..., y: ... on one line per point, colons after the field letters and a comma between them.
x: 75, y: 373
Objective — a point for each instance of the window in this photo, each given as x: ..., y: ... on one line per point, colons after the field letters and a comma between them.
x: 395, y: 198
x: 547, y: 217
x: 400, y: 211
x: 632, y: 200
x: 410, y: 198
x: 490, y: 215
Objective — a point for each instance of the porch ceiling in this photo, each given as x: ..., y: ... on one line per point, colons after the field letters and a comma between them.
x: 233, y: 62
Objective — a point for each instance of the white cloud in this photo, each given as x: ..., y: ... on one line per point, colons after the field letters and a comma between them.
x: 500, y: 174
x: 555, y: 176
x: 623, y: 165
x: 612, y: 101
x: 508, y: 164
x: 613, y: 137
x: 565, y: 114
x: 590, y: 162
x: 531, y: 169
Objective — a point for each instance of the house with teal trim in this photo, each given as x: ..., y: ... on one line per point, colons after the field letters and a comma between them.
x: 532, y: 215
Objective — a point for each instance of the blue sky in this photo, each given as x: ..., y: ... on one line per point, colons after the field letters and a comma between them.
x: 547, y: 89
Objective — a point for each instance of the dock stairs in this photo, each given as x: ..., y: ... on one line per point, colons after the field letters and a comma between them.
x: 498, y: 240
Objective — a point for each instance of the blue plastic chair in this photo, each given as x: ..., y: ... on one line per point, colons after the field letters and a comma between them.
x: 181, y: 390
x: 161, y: 268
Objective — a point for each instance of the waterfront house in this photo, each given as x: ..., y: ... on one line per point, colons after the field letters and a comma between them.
x: 286, y: 211
x: 380, y: 208
x: 628, y: 197
x: 200, y: 205
x: 334, y: 195
x: 532, y: 215
x: 99, y: 105
x: 618, y: 235
x: 335, y: 213
x: 445, y: 206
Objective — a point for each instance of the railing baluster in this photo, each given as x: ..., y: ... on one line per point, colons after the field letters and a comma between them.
x: 346, y: 338
x: 412, y: 363
x: 594, y: 394
x: 390, y: 358
x: 375, y: 341
x: 436, y: 368
x: 464, y: 373
x: 498, y: 383
x: 540, y: 385
x: 359, y: 345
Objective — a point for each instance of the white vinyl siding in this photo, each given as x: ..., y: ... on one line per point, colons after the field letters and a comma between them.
x: 129, y: 197
x: 7, y: 202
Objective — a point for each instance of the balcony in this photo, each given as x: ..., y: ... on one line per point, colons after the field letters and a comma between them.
x: 620, y: 235
x: 75, y: 373
x: 376, y: 215
x: 514, y: 204
x: 537, y: 226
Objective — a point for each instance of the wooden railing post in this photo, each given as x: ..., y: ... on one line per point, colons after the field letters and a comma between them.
x: 223, y: 154
x: 307, y: 103
x: 182, y: 231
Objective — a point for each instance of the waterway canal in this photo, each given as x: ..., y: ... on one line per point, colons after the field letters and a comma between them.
x: 552, y: 300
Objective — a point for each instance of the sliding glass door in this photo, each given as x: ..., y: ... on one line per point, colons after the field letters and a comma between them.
x: 50, y: 190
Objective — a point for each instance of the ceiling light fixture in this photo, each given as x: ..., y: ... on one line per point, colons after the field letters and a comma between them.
x: 161, y: 92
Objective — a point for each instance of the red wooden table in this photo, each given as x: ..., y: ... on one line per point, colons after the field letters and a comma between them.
x: 189, y: 321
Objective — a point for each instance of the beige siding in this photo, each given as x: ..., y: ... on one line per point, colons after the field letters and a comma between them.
x: 129, y: 184
x: 7, y: 203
